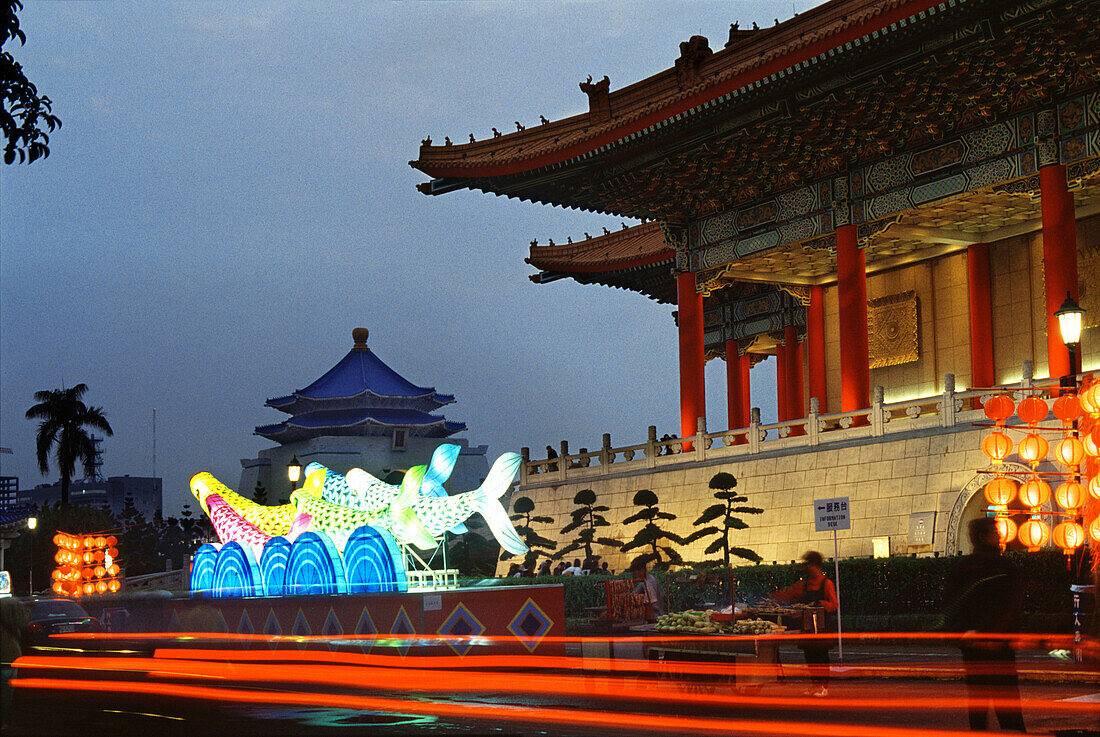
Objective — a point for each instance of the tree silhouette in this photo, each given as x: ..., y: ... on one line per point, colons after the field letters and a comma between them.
x: 651, y: 534
x: 25, y: 115
x: 724, y: 483
x: 64, y: 417
x: 259, y: 494
x: 586, y: 518
x: 523, y: 507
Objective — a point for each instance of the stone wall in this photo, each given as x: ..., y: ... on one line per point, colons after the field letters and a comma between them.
x: 887, y: 478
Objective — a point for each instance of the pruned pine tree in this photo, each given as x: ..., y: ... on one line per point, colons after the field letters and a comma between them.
x: 586, y: 518
x: 729, y: 504
x: 651, y: 534
x: 523, y: 517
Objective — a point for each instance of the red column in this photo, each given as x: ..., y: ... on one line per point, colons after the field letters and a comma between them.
x: 815, y: 344
x: 796, y: 402
x: 1059, y: 258
x: 737, y: 388
x: 782, y: 400
x: 981, y: 316
x: 851, y: 272
x: 692, y: 397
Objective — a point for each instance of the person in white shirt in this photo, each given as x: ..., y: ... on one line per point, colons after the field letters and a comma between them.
x: 646, y: 583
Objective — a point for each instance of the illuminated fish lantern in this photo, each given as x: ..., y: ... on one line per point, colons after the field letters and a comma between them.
x: 272, y: 521
x: 339, y: 521
x: 441, y: 512
x: 232, y: 527
x: 369, y: 494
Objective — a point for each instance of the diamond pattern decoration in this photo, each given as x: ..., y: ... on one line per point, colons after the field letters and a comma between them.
x: 461, y: 623
x: 365, y: 626
x: 174, y: 623
x: 301, y: 629
x: 530, y: 625
x: 332, y: 628
x: 244, y: 627
x: 402, y: 625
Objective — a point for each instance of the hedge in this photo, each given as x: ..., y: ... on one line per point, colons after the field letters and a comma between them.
x: 894, y: 594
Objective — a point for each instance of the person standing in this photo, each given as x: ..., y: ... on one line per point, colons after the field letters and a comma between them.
x: 551, y: 455
x: 984, y: 593
x: 646, y: 583
x: 816, y: 590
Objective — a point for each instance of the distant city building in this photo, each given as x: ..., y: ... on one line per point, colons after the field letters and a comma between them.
x: 109, y: 494
x: 9, y: 490
x: 359, y: 414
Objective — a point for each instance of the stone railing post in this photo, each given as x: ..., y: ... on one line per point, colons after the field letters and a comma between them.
x: 524, y: 453
x: 651, y: 447
x: 606, y: 456
x: 812, y: 422
x: 947, y: 406
x: 701, y: 439
x: 1027, y: 375
x: 754, y: 430
x: 563, y: 465
x: 878, y: 426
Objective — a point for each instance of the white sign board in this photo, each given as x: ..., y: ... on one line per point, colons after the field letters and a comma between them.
x: 831, y: 514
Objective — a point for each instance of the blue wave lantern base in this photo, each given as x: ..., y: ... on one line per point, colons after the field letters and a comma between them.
x: 311, y: 565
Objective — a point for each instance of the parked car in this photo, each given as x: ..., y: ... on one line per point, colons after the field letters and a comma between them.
x: 57, y: 616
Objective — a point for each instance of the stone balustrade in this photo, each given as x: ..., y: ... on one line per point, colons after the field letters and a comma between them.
x: 948, y: 409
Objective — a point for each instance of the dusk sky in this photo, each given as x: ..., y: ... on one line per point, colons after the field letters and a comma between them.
x: 230, y: 196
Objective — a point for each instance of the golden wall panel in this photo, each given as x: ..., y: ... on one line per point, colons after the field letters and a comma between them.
x: 893, y: 333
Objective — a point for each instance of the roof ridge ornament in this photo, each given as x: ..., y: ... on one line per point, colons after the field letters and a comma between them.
x: 693, y: 53
x: 359, y: 338
x: 599, y: 98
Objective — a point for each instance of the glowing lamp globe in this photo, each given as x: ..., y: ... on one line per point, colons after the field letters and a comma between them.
x: 1068, y: 536
x: 1033, y: 448
x: 1033, y: 534
x: 1006, y: 529
x: 1034, y: 492
x: 1067, y: 408
x: 997, y: 446
x: 1069, y: 321
x: 1069, y: 452
x: 1000, y: 491
x: 999, y: 408
x: 1094, y: 530
x: 1070, y: 495
x: 1032, y: 410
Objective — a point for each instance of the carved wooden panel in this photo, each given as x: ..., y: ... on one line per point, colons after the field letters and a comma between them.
x: 893, y: 334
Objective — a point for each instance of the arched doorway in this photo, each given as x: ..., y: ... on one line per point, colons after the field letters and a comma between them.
x: 971, y: 501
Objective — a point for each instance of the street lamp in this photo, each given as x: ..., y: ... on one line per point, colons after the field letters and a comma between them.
x: 294, y: 472
x: 1069, y: 324
x: 32, y: 525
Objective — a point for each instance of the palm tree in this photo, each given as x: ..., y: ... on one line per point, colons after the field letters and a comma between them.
x: 64, y: 417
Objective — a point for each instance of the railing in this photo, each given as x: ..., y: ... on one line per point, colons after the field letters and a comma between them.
x: 947, y: 409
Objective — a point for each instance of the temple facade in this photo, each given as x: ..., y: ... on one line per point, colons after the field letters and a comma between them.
x: 359, y: 414
x: 891, y: 197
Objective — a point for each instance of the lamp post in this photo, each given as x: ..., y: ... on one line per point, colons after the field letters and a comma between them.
x: 1069, y: 324
x: 293, y: 472
x: 32, y: 525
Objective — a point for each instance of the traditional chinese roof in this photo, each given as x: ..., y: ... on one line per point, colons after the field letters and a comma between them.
x: 847, y: 84
x: 376, y: 421
x: 360, y: 395
x: 360, y: 379
x: 635, y: 258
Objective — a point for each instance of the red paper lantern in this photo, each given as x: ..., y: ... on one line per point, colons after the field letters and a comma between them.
x: 1070, y: 452
x: 1034, y: 448
x: 1068, y: 536
x: 1094, y: 530
x: 1032, y: 410
x: 999, y: 408
x: 100, y: 571
x: 1089, y: 397
x: 1006, y: 529
x: 1092, y: 449
x: 1000, y: 491
x: 997, y: 446
x: 1034, y: 534
x: 100, y: 541
x: 89, y: 543
x: 113, y: 585
x: 113, y: 552
x: 1067, y: 408
x: 1094, y: 487
x: 57, y: 587
x: 89, y: 588
x: 111, y: 541
x: 1070, y: 495
x: 113, y: 569
x: 101, y: 587
x: 1034, y: 492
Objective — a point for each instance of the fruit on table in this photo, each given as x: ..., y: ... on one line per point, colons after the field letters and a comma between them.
x: 700, y: 622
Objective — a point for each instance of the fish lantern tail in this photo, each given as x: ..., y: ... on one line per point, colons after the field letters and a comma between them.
x: 486, y: 501
x: 440, y: 468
